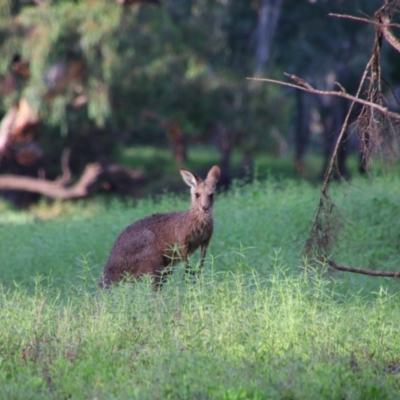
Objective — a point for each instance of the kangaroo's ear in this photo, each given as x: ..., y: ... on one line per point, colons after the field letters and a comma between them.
x: 190, y: 179
x: 213, y: 175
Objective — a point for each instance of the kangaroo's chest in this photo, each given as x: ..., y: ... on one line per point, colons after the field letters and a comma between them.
x: 198, y: 236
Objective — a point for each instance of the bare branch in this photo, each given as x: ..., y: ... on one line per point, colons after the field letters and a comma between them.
x: 299, y: 81
x: 341, y: 87
x: 390, y: 38
x: 373, y: 112
x: 382, y: 24
x: 370, y: 272
x: 324, y: 198
x: 366, y: 20
x: 318, y: 233
x: 345, y: 95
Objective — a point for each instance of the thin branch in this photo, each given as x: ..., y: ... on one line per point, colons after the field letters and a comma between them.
x: 370, y: 272
x: 341, y: 87
x: 382, y: 24
x: 324, y: 190
x: 342, y: 94
x: 366, y: 20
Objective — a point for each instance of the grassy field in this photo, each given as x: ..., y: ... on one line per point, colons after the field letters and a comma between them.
x: 254, y: 326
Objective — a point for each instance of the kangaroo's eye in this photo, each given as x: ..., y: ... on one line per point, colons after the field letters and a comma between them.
x: 197, y: 195
x: 211, y: 196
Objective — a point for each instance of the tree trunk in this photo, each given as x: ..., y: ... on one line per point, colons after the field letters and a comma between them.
x: 268, y: 15
x: 177, y: 140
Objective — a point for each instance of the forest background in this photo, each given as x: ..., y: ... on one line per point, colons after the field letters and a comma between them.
x: 110, y: 82
x: 114, y: 96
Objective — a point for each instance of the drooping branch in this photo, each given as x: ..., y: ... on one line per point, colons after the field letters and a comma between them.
x: 370, y: 272
x: 320, y: 235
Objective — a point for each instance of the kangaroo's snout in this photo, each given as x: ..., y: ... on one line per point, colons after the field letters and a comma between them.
x: 204, y: 201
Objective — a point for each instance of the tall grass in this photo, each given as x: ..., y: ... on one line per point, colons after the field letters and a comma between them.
x: 67, y: 243
x: 228, y: 336
x: 256, y: 325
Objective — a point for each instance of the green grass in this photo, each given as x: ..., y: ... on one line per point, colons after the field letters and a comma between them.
x: 254, y: 326
x: 225, y: 337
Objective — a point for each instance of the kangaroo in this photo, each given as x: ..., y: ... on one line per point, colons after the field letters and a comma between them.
x: 154, y: 244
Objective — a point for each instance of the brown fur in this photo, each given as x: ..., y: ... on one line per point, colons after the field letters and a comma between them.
x: 154, y: 243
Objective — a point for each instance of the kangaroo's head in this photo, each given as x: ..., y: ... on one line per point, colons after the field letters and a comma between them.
x: 202, y: 191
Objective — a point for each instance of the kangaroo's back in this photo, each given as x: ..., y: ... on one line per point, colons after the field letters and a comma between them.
x: 152, y: 244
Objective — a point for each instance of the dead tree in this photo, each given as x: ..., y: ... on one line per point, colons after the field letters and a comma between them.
x: 376, y: 130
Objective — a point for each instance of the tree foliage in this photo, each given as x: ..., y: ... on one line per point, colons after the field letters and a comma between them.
x: 120, y: 61
x: 98, y: 69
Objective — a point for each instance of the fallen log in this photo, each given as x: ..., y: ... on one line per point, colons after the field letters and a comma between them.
x: 92, y: 179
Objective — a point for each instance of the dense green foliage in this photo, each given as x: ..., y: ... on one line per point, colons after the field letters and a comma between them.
x: 184, y: 61
x: 172, y: 60
x: 254, y: 326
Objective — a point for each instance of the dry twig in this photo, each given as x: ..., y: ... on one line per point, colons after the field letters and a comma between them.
x: 370, y: 272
